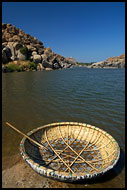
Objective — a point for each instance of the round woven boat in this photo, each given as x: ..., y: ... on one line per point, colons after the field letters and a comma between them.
x: 80, y: 151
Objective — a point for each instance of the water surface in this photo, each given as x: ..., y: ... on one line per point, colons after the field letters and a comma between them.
x: 93, y: 96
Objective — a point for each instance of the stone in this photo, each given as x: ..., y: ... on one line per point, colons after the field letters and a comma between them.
x: 34, y: 53
x: 4, y: 44
x: 40, y: 51
x: 44, y: 57
x: 48, y: 51
x: 70, y: 60
x: 16, y: 38
x: 47, y: 64
x: 37, y: 58
x: 112, y: 62
x: 21, y: 56
x: 17, y: 45
x: 4, y: 26
x: 40, y: 43
x: 31, y: 58
x: 10, y: 45
x: 5, y: 69
x: 8, y: 25
x: 7, y: 50
x: 31, y: 48
x: 40, y: 67
x: 48, y: 69
x: 66, y: 65
x: 10, y: 39
x: 56, y: 66
x: 4, y: 57
x: 5, y: 37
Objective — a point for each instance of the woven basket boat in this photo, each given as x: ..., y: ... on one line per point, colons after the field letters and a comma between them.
x: 81, y: 151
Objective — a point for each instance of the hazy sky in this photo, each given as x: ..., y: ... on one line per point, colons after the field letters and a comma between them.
x: 87, y: 31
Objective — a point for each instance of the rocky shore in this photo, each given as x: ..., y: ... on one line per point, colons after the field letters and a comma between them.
x: 112, y: 62
x: 23, y: 52
x: 19, y: 46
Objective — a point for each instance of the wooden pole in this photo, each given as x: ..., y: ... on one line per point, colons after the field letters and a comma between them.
x: 35, y: 142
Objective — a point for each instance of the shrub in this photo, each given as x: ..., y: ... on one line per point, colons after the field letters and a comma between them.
x: 28, y: 65
x: 13, y: 67
x: 24, y: 50
x: 19, y: 66
x: 32, y: 66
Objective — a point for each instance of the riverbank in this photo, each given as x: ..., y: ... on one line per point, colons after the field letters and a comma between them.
x: 18, y: 174
x: 112, y: 62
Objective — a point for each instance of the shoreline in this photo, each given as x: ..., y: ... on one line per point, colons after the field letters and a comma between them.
x: 18, y: 174
x: 48, y: 69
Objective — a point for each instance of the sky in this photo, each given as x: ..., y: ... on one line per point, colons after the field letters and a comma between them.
x: 87, y: 31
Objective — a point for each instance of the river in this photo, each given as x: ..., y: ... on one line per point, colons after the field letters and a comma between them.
x: 93, y: 96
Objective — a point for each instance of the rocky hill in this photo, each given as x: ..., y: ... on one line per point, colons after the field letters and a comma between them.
x: 17, y: 45
x: 112, y: 62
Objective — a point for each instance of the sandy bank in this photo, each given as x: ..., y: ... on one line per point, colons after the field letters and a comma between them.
x: 20, y: 175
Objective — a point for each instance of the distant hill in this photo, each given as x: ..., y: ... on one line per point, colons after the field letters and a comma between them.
x: 18, y: 47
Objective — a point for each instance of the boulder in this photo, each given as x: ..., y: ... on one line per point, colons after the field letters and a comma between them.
x: 48, y: 69
x: 4, y: 57
x: 20, y: 45
x: 10, y: 45
x: 16, y: 38
x: 34, y: 53
x: 70, y: 60
x: 44, y: 57
x: 4, y: 26
x: 5, y: 37
x: 31, y: 48
x: 40, y: 51
x: 109, y: 64
x: 10, y: 40
x: 47, y: 64
x: 48, y: 50
x: 4, y: 44
x: 36, y: 58
x: 21, y: 56
x: 40, y: 67
x: 17, y: 45
x: 5, y: 69
x: 122, y: 65
x: 56, y: 66
x: 66, y: 65
x: 8, y: 25
x: 7, y: 50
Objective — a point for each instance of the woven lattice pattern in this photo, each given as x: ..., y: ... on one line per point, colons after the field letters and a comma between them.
x: 83, y: 149
x: 80, y: 151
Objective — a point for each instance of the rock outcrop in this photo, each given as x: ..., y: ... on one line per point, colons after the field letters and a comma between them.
x: 17, y: 45
x: 112, y: 62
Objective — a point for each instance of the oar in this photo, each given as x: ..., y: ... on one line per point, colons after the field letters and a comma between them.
x: 35, y: 142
